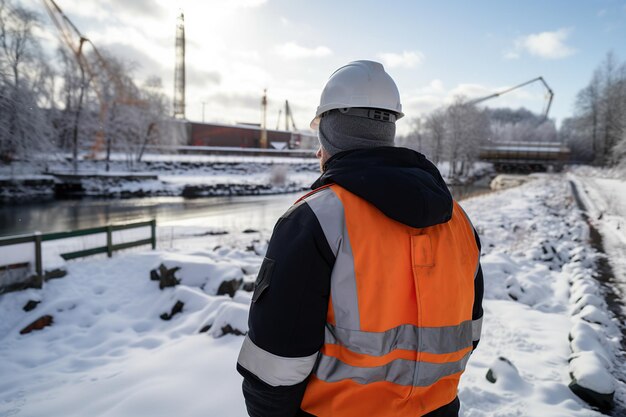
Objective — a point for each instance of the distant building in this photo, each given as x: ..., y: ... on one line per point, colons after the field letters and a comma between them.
x: 247, y: 136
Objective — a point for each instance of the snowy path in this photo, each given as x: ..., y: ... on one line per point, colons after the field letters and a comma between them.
x: 605, y: 199
x: 109, y: 354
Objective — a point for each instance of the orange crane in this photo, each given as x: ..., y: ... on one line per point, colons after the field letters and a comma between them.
x: 98, y: 69
x: 549, y: 94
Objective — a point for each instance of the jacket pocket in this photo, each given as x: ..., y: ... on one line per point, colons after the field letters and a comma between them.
x: 263, y: 279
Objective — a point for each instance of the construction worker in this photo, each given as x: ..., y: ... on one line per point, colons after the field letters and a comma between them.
x: 368, y: 302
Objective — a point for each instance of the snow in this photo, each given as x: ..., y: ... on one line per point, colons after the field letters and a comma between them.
x: 590, y: 372
x: 604, y: 195
x: 168, y: 175
x: 585, y: 339
x: 201, y: 271
x: 108, y: 352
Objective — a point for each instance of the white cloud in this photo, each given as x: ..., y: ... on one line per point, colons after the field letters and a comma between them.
x: 511, y: 55
x: 292, y: 50
x: 407, y: 59
x: 434, y: 87
x: 425, y: 99
x: 548, y: 45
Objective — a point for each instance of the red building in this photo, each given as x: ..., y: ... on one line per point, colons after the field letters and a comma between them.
x: 245, y: 136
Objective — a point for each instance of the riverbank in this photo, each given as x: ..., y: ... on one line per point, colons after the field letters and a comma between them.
x: 189, y: 176
x: 109, y: 346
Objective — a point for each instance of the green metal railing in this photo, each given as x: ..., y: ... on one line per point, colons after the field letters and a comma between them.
x: 38, y: 238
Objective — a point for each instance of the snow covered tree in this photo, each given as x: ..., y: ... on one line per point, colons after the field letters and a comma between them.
x: 144, y: 122
x: 25, y: 79
x: 572, y: 133
x: 435, y: 135
x: 467, y: 128
x: 73, y: 120
x: 601, y: 109
x: 415, y: 138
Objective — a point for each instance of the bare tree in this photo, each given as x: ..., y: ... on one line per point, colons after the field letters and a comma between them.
x: 415, y: 138
x: 435, y: 129
x: 588, y: 104
x: 467, y: 128
x: 600, y: 109
x: 24, y: 85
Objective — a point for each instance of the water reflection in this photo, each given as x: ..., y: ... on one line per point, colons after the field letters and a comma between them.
x: 232, y: 213
x: 222, y: 212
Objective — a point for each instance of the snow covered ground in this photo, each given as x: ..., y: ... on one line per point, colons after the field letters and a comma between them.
x: 604, y: 195
x: 108, y: 352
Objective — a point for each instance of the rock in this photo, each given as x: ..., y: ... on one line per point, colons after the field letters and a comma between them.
x: 205, y: 329
x: 506, y: 375
x: 250, y: 231
x: 591, y: 379
x: 30, y: 305
x: 177, y: 308
x: 248, y: 286
x: 40, y: 323
x: 154, y: 275
x: 229, y: 287
x: 604, y: 402
x: 55, y: 273
x: 229, y: 330
x: 213, y: 233
x: 165, y: 276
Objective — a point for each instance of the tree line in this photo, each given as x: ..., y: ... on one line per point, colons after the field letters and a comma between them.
x: 595, y: 134
x: 67, y: 103
x: 456, y: 133
x: 597, y: 131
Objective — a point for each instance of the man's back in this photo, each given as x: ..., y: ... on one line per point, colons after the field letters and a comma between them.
x: 403, y: 305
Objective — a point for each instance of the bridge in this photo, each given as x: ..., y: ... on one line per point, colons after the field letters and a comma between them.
x: 525, y: 156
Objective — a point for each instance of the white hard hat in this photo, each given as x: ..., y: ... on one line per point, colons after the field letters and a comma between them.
x: 359, y: 84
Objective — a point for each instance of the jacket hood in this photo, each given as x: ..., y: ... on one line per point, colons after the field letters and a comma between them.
x: 400, y: 182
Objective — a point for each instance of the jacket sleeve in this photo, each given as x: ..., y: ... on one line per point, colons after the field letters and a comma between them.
x: 287, y: 315
x: 477, y: 310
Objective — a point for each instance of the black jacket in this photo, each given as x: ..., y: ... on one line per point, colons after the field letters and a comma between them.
x: 288, y: 312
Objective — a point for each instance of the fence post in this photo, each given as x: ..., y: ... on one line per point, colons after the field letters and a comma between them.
x: 38, y: 260
x: 153, y: 233
x: 109, y: 241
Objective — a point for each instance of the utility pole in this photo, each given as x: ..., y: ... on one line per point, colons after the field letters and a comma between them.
x: 263, y: 142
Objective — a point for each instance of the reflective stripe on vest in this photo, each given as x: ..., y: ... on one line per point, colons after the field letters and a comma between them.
x: 329, y: 212
x: 399, y: 371
x: 273, y: 369
x: 400, y: 311
x: 447, y: 339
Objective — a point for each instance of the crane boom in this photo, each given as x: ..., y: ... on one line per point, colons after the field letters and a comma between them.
x: 549, y: 94
x: 97, y: 67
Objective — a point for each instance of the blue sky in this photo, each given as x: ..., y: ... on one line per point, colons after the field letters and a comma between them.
x: 434, y: 50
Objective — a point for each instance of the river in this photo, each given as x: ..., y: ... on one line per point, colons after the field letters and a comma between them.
x: 233, y: 213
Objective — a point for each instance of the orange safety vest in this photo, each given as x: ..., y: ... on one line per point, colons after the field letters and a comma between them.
x: 399, y: 324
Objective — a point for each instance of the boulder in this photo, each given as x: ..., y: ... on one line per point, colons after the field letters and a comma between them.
x: 229, y: 287
x: 591, y: 380
x: 503, y: 373
x: 603, y: 402
x: 166, y: 276
x: 40, y: 323
x: 177, y: 308
x: 30, y: 305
